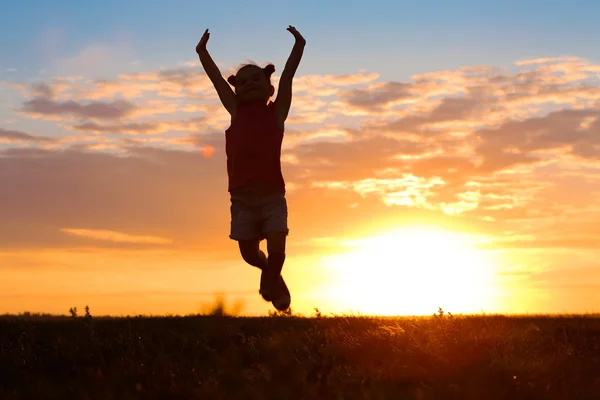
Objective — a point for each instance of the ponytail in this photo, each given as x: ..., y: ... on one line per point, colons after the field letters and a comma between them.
x: 268, y: 70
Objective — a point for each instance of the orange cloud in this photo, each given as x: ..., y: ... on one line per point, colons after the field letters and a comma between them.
x: 477, y: 143
x: 115, y: 236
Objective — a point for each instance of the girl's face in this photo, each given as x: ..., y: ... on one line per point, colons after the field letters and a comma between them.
x: 251, y: 84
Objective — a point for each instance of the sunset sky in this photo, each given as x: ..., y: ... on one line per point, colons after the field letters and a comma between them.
x: 440, y: 154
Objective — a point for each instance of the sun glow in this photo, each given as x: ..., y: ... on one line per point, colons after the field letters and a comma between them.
x: 413, y: 271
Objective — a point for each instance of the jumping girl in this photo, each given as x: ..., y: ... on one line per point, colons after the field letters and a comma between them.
x: 253, y: 147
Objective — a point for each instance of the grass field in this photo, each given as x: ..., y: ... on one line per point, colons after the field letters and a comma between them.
x: 286, y: 357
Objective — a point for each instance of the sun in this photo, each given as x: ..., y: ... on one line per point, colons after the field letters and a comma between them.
x: 413, y: 272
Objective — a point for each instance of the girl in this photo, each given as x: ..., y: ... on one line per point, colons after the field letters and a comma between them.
x: 253, y: 147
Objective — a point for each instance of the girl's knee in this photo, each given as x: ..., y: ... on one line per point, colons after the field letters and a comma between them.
x: 277, y: 257
x: 252, y: 254
x: 252, y: 259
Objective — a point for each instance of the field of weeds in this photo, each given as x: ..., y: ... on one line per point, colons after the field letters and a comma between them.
x: 285, y: 357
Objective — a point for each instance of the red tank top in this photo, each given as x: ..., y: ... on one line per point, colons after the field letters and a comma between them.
x: 253, y: 147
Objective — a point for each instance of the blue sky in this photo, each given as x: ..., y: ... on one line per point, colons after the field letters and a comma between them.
x: 393, y: 37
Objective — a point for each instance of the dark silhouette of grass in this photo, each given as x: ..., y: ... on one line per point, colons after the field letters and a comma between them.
x: 287, y: 357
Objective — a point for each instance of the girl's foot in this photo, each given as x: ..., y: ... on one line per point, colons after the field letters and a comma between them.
x: 278, y: 294
x: 265, y: 285
x: 281, y: 298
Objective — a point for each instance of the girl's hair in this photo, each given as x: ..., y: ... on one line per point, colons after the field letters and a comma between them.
x: 268, y: 70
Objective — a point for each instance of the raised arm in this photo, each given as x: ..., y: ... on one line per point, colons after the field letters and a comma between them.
x: 284, y: 93
x: 224, y: 91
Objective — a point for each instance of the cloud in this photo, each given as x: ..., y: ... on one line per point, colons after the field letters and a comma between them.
x: 377, y: 96
x: 115, y: 236
x: 92, y: 60
x: 43, y: 89
x: 106, y: 88
x: 485, y: 146
x: 44, y: 106
x: 145, y: 127
x: 528, y: 141
x: 130, y: 103
x: 486, y: 149
x: 156, y: 192
x: 327, y: 85
x: 149, y: 192
x: 12, y: 136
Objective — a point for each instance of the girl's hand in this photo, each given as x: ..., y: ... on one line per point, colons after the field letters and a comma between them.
x: 296, y: 34
x: 201, y: 46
